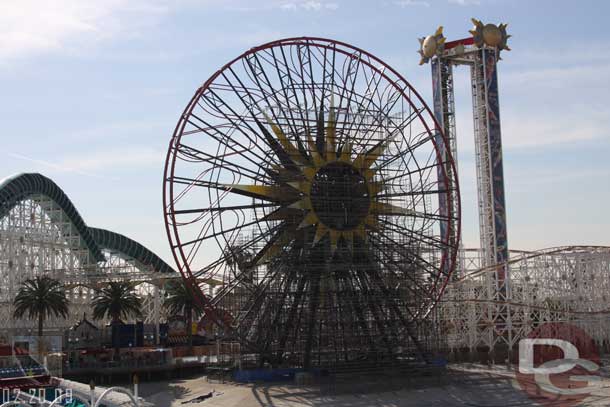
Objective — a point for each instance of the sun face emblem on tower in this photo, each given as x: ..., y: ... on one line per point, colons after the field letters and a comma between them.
x: 324, y: 185
x: 490, y: 34
x: 431, y: 45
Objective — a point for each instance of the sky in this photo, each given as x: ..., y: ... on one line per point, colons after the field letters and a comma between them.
x: 91, y: 92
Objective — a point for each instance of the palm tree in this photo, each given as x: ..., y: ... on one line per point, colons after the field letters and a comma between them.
x: 180, y: 300
x: 41, y: 297
x: 117, y: 300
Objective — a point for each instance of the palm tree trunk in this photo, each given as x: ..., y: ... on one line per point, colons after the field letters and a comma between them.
x: 40, y: 325
x: 116, y: 337
x: 40, y: 331
x: 189, y: 327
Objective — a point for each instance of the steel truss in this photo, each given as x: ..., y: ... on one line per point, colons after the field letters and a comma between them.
x: 482, y: 61
x: 305, y: 176
x: 565, y: 284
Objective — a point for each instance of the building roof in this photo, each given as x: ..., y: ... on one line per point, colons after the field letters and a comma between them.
x: 84, y: 321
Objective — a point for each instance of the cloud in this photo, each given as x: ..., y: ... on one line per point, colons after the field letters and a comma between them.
x: 125, y: 158
x: 31, y: 27
x: 541, y: 177
x: 465, y: 2
x: 561, y: 78
x: 118, y: 131
x: 52, y: 166
x: 409, y: 3
x: 291, y: 5
x: 97, y: 164
x: 521, y: 130
x: 309, y: 5
x: 550, y: 97
x: 534, y: 129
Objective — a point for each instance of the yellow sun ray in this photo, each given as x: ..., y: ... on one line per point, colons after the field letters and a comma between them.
x: 375, y: 188
x: 318, y: 160
x: 288, y: 176
x: 294, y: 187
x: 321, y: 231
x: 346, y: 153
x: 302, y: 186
x: 368, y: 174
x: 365, y: 160
x: 264, y: 192
x: 304, y: 204
x: 334, y: 239
x: 310, y: 219
x: 282, y: 213
x: 292, y: 151
x: 309, y: 172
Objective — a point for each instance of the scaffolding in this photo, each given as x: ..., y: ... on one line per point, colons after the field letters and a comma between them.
x: 564, y: 284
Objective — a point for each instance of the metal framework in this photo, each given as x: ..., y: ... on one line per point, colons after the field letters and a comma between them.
x: 481, y: 53
x: 305, y: 176
x: 41, y: 233
x: 482, y: 61
x: 499, y: 296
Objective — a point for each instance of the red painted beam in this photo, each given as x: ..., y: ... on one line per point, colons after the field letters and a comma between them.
x: 463, y: 41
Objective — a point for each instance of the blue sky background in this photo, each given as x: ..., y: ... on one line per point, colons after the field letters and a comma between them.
x: 91, y: 92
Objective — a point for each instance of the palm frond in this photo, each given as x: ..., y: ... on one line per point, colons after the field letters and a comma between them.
x: 179, y: 299
x: 41, y: 296
x: 118, y: 300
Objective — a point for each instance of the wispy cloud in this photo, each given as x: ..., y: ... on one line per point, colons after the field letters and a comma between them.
x: 535, y: 129
x: 127, y: 157
x: 309, y: 5
x: 53, y: 166
x: 120, y: 130
x: 465, y: 2
x: 290, y: 5
x: 98, y: 164
x: 522, y: 130
x: 548, y: 97
x: 561, y: 78
x: 410, y: 3
x: 541, y: 177
x: 570, y: 68
x: 31, y: 27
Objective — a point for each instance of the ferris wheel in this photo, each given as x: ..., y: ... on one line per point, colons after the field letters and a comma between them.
x: 305, y: 195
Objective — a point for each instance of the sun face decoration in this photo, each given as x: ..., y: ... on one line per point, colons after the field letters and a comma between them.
x: 490, y: 34
x: 332, y: 189
x: 431, y: 45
